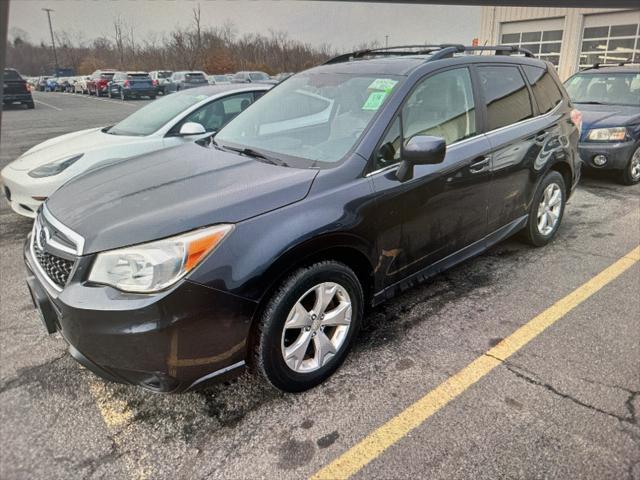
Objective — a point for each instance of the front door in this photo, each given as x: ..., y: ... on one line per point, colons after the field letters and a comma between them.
x: 443, y: 208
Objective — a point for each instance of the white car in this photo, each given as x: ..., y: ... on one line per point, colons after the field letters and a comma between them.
x: 184, y: 117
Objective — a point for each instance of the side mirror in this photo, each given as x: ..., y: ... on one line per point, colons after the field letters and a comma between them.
x: 420, y: 150
x: 192, y: 128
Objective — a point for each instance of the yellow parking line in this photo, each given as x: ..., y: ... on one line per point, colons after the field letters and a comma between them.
x: 395, y: 429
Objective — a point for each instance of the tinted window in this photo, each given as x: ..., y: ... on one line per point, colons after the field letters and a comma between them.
x: 155, y: 114
x: 441, y: 106
x: 11, y: 75
x: 545, y: 90
x: 505, y: 94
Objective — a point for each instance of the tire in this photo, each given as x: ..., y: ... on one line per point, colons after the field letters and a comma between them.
x: 631, y: 173
x: 123, y: 97
x: 308, y: 367
x: 537, y: 232
x: 31, y: 106
x: 110, y: 95
x: 152, y: 97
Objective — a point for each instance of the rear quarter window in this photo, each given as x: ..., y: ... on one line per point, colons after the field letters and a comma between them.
x: 545, y: 90
x: 506, y: 95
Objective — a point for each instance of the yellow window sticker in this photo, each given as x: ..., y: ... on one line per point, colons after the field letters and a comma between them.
x: 374, y: 101
x: 385, y: 84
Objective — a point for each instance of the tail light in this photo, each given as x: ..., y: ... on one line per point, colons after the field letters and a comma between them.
x: 126, y: 83
x: 154, y: 83
x: 576, y: 119
x: 26, y: 88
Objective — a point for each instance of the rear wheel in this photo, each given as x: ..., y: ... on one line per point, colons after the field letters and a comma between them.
x: 631, y: 174
x: 123, y: 97
x: 546, y: 210
x: 308, y: 326
x: 31, y: 105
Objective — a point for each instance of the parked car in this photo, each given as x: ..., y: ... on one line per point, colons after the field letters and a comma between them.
x: 183, y: 80
x: 609, y: 99
x: 252, y: 77
x: 167, y: 122
x: 51, y: 84
x: 99, y: 81
x: 342, y: 186
x: 127, y: 85
x: 218, y: 80
x: 15, y: 89
x: 62, y: 84
x: 81, y: 85
x: 41, y: 84
x: 161, y: 79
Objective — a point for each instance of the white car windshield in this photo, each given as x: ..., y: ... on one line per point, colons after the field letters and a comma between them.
x: 311, y: 119
x: 153, y: 116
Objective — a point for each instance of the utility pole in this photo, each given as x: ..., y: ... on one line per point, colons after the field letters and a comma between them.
x: 386, y: 41
x: 53, y: 42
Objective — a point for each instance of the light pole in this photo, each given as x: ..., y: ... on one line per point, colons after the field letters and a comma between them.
x: 53, y: 42
x: 386, y: 41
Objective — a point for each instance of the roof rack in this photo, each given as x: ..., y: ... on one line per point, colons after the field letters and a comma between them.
x: 438, y: 51
x: 616, y: 64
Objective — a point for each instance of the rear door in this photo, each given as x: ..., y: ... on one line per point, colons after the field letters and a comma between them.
x: 520, y: 136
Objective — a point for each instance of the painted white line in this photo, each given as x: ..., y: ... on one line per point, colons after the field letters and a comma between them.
x: 47, y: 105
x: 87, y: 97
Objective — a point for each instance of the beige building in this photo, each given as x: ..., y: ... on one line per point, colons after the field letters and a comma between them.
x: 570, y: 38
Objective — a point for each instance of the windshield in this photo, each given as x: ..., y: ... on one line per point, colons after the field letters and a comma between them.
x: 220, y: 78
x: 195, y: 77
x: 617, y: 88
x: 310, y: 118
x: 156, y: 114
x: 258, y: 76
x: 164, y: 74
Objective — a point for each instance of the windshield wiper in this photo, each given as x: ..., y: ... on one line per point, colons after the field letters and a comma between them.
x: 250, y: 152
x: 591, y: 102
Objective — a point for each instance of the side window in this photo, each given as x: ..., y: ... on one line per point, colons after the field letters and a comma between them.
x: 214, y: 115
x: 506, y: 95
x: 441, y: 106
x: 388, y: 153
x: 545, y: 89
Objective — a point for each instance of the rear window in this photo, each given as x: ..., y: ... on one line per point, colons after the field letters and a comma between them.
x: 545, y: 89
x: 505, y: 94
x: 12, y: 75
x: 164, y: 74
x: 195, y: 76
x: 138, y: 75
x: 107, y: 76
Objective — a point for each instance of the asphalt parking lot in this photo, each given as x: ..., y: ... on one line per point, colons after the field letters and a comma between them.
x: 564, y: 405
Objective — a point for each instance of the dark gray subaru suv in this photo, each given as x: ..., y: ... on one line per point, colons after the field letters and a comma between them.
x: 263, y: 246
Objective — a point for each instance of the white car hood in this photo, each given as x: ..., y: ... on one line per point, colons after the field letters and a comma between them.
x: 84, y: 141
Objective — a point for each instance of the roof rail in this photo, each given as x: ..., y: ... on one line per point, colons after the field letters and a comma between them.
x: 616, y: 64
x: 438, y: 51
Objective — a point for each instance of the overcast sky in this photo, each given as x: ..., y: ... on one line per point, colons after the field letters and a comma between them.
x: 341, y: 24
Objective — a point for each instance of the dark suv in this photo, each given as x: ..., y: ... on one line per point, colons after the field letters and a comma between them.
x: 263, y: 246
x: 131, y: 85
x: 609, y: 99
x: 15, y: 89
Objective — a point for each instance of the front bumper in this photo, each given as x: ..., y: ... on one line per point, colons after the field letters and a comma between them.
x: 165, y: 342
x: 618, y: 154
x: 19, y: 196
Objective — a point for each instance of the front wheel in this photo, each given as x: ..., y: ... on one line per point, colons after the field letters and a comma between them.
x: 546, y: 210
x: 308, y: 326
x: 631, y: 174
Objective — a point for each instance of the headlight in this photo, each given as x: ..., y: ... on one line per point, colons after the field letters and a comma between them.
x: 154, y: 266
x: 615, y: 134
x: 55, y: 167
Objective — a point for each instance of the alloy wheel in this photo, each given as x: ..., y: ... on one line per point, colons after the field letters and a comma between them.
x: 549, y: 209
x: 316, y: 327
x: 634, y: 166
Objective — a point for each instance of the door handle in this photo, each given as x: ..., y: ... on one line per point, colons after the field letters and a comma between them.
x: 479, y: 166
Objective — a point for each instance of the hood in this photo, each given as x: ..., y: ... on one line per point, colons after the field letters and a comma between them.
x: 598, y: 116
x: 67, y: 145
x: 173, y: 191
